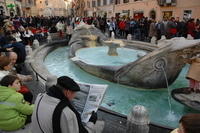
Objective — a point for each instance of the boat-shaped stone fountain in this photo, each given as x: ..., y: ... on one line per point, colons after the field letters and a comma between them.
x: 157, y: 68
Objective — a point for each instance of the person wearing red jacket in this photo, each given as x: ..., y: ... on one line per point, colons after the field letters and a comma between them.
x: 122, y: 25
x: 191, y: 27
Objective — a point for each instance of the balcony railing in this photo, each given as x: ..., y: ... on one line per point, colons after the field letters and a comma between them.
x: 167, y: 2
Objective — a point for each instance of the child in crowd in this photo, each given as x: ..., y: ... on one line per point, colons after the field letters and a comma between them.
x: 5, y: 68
x: 15, y: 112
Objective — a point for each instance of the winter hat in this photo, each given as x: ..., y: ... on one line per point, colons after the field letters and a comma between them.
x: 68, y: 83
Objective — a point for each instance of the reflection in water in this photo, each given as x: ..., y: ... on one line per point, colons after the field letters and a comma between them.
x: 121, y: 98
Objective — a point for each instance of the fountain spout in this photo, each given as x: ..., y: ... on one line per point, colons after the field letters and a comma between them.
x: 112, y: 49
x: 169, y: 95
x: 113, y: 44
x: 112, y: 35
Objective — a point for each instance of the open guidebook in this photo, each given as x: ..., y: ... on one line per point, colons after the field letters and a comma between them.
x: 89, y: 99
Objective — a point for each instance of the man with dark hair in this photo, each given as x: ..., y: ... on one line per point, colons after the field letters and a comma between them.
x: 189, y: 123
x: 54, y: 112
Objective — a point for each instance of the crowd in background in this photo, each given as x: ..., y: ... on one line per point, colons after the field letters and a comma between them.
x: 25, y: 29
x: 143, y: 29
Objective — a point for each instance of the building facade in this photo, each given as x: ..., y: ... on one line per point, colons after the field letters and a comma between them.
x: 10, y: 7
x: 182, y: 9
x: 52, y: 7
x: 156, y: 9
x: 3, y: 9
x: 29, y: 7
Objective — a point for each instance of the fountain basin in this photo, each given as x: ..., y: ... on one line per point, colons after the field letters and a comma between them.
x: 121, y: 98
x: 145, y: 72
x: 98, y: 56
x: 52, y: 59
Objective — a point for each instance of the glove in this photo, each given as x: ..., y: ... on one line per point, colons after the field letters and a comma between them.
x: 93, y: 117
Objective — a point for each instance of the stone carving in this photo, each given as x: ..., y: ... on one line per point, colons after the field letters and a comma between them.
x: 36, y: 44
x: 51, y: 80
x: 112, y: 51
x: 147, y: 71
x: 28, y: 50
x: 153, y: 40
x: 163, y: 38
x: 189, y: 37
x: 49, y: 38
x: 129, y: 37
x: 138, y: 120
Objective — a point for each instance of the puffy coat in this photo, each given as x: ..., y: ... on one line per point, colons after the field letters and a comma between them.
x: 13, y: 109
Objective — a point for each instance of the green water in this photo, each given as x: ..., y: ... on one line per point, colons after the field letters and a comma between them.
x: 100, y: 53
x: 122, y: 98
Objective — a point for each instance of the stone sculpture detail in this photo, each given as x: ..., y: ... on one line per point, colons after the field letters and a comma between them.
x: 146, y: 72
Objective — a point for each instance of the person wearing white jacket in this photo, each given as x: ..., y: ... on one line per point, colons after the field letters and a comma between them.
x: 54, y: 112
x: 60, y: 27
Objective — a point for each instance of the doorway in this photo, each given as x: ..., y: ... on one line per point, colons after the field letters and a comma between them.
x: 152, y: 14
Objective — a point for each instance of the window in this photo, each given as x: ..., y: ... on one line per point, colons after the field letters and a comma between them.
x: 88, y: 4
x: 167, y: 14
x: 29, y: 1
x: 35, y: 2
x: 187, y: 14
x: 104, y: 2
x: 93, y: 3
x: 125, y: 1
x: 98, y: 2
x: 117, y: 2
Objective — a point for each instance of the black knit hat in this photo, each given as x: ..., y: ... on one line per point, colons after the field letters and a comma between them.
x: 68, y: 83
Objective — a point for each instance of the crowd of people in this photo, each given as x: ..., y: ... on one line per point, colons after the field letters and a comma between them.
x: 144, y: 29
x: 17, y: 109
x: 16, y: 100
x: 25, y: 29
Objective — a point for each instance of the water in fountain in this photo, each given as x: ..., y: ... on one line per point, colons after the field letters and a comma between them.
x: 169, y: 95
x: 104, y: 59
x: 112, y: 35
x: 121, y: 98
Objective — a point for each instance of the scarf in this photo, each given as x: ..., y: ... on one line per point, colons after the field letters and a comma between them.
x: 55, y: 92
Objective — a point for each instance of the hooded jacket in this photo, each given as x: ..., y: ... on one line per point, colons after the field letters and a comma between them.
x: 13, y: 109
